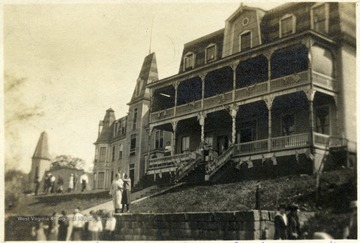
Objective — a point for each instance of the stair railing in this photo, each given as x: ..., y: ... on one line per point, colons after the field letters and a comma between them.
x: 184, y: 167
x: 217, y: 163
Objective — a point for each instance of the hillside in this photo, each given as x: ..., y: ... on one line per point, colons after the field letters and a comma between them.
x: 332, y: 211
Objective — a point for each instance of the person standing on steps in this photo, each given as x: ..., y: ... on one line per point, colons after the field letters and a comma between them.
x: 116, y: 192
x: 125, y: 201
x: 281, y: 223
x: 294, y: 231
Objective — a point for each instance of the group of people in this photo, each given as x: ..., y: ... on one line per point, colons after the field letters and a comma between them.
x: 120, y: 192
x: 76, y: 227
x: 287, y: 225
x: 53, y: 186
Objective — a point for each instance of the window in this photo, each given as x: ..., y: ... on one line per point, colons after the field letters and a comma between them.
x: 288, y: 123
x: 287, y: 25
x: 319, y: 18
x: 132, y: 144
x: 322, y: 120
x: 122, y: 127
x: 134, y: 118
x: 120, y: 151
x: 210, y: 53
x: 185, y: 144
x: 101, y: 180
x: 113, y: 154
x: 102, y: 154
x: 159, y: 139
x: 189, y: 61
x: 245, y: 41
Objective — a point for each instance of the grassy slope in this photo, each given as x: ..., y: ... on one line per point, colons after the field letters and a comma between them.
x: 241, y: 195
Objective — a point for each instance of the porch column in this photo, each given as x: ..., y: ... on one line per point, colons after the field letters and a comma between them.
x: 269, y: 102
x: 268, y: 55
x: 176, y: 84
x: 202, y: 76
x: 174, y: 126
x: 233, y: 112
x: 150, y: 130
x: 201, y: 119
x: 310, y: 94
x: 233, y: 67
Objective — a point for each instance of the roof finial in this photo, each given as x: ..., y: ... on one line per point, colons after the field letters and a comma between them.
x: 152, y: 22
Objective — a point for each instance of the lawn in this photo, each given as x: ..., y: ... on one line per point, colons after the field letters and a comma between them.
x: 241, y: 195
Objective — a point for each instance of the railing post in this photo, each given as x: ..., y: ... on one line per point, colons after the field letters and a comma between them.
x: 174, y: 126
x: 176, y: 85
x: 310, y: 96
x: 201, y: 119
x: 269, y: 102
x: 202, y: 76
x: 233, y: 112
x: 151, y: 128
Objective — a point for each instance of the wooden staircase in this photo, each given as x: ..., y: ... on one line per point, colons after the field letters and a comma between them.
x: 216, y: 164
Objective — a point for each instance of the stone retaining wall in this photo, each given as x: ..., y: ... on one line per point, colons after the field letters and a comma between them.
x: 249, y: 225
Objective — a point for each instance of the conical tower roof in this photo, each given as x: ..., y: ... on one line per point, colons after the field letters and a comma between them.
x: 42, y: 148
x: 148, y: 74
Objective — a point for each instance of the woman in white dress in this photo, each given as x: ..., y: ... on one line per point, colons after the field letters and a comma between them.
x: 116, y: 192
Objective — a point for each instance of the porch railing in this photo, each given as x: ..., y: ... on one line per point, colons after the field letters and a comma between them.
x: 168, y: 161
x: 188, y: 108
x: 251, y: 91
x: 251, y: 147
x: 337, y: 142
x: 323, y: 80
x: 291, y: 141
x: 217, y: 100
x: 217, y: 163
x: 321, y: 139
x: 162, y: 114
x: 289, y: 81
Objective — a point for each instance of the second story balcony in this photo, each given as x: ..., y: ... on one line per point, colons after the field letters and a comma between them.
x: 289, y: 67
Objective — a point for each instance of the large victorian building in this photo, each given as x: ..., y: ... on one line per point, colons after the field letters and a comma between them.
x: 274, y: 92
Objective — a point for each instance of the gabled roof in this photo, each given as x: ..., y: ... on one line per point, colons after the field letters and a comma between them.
x: 241, y: 9
x: 42, y: 148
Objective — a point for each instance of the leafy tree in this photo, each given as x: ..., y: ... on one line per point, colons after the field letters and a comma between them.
x: 61, y: 161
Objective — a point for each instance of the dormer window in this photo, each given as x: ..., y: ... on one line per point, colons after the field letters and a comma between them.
x: 245, y: 40
x: 210, y: 53
x: 287, y: 25
x: 319, y: 18
x: 189, y: 61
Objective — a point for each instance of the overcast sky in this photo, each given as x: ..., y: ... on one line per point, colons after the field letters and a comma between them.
x: 71, y: 62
